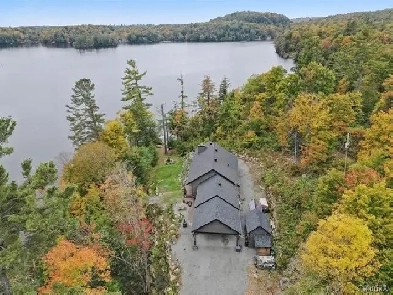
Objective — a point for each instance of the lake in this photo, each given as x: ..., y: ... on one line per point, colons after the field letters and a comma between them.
x: 35, y: 84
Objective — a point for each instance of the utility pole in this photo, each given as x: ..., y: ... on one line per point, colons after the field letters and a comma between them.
x: 164, y: 129
x: 346, y: 153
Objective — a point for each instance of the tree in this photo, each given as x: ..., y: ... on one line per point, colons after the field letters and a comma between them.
x: 310, y: 118
x: 223, y: 89
x: 114, y: 136
x: 90, y: 165
x: 182, y: 95
x: 315, y: 78
x: 341, y: 251
x: 123, y: 199
x: 72, y: 267
x: 134, y: 94
x: 377, y: 147
x: 373, y: 205
x: 7, y: 126
x: 33, y: 215
x: 83, y: 114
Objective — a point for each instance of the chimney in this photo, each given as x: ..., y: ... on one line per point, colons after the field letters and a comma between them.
x: 201, y: 149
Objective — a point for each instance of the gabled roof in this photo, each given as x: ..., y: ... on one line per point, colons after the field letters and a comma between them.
x: 263, y: 241
x: 217, y: 187
x: 216, y: 209
x: 210, y: 157
x: 256, y: 218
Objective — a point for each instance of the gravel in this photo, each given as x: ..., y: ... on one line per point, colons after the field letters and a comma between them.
x: 215, y: 268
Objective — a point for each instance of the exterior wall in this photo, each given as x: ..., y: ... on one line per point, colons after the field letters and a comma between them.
x: 263, y: 251
x: 251, y: 236
x: 216, y: 227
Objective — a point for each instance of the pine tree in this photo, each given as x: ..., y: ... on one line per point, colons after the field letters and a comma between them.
x: 135, y: 94
x: 182, y: 96
x: 7, y: 126
x: 223, y: 89
x: 86, y: 122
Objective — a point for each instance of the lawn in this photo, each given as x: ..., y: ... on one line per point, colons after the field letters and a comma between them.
x: 166, y: 179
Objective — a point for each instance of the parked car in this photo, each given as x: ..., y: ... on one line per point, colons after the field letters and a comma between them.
x: 264, y: 262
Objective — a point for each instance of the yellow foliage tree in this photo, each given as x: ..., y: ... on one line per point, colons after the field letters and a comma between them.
x: 340, y: 251
x: 113, y: 135
x: 377, y: 146
x: 310, y: 117
x: 90, y: 165
x: 71, y: 266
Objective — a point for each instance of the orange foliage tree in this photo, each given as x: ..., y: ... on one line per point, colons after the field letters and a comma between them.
x: 71, y: 266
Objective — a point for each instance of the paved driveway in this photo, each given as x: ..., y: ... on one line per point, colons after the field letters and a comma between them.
x: 215, y: 268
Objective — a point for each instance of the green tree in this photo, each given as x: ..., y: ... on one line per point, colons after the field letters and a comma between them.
x: 83, y: 114
x: 7, y: 126
x: 134, y: 95
x: 223, y: 89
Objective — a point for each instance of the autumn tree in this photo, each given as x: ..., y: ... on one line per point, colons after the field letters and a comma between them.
x: 76, y: 268
x: 123, y: 199
x: 315, y: 78
x: 83, y: 114
x: 114, y: 136
x: 377, y: 147
x: 341, y: 251
x: 90, y: 165
x: 34, y: 213
x: 134, y: 96
x: 372, y: 204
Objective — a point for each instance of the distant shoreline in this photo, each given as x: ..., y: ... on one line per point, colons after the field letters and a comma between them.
x: 66, y: 45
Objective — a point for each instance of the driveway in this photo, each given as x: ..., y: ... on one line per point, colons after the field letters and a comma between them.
x: 215, y: 268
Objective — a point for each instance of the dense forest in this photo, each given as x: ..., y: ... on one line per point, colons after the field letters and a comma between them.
x: 323, y: 133
x: 239, y: 26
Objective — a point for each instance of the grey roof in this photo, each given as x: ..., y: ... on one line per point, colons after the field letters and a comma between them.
x: 213, y: 157
x: 216, y: 209
x: 219, y: 187
x: 256, y: 218
x: 263, y: 241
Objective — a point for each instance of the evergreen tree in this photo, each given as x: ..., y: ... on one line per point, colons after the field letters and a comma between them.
x: 7, y: 126
x: 182, y: 96
x: 134, y: 94
x: 223, y: 89
x: 86, y: 122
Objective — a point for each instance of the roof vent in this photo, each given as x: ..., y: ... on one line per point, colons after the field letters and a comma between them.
x: 216, y: 150
x: 228, y: 165
x: 215, y: 160
x: 219, y: 183
x: 211, y: 143
x: 201, y: 149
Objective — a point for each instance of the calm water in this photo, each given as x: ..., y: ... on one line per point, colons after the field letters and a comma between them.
x: 35, y: 84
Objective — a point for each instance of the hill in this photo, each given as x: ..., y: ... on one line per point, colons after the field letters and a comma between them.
x: 238, y: 26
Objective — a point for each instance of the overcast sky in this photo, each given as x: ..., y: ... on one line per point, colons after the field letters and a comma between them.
x: 71, y: 12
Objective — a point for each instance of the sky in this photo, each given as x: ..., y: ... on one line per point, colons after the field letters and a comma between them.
x: 72, y: 12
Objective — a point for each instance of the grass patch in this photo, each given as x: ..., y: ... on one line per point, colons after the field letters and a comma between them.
x: 166, y: 178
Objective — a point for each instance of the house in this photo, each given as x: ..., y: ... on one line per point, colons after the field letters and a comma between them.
x: 216, y: 217
x: 259, y: 233
x: 210, y: 160
x: 217, y: 187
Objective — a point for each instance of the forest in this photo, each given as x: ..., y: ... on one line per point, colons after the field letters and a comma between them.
x: 238, y: 26
x: 323, y: 133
